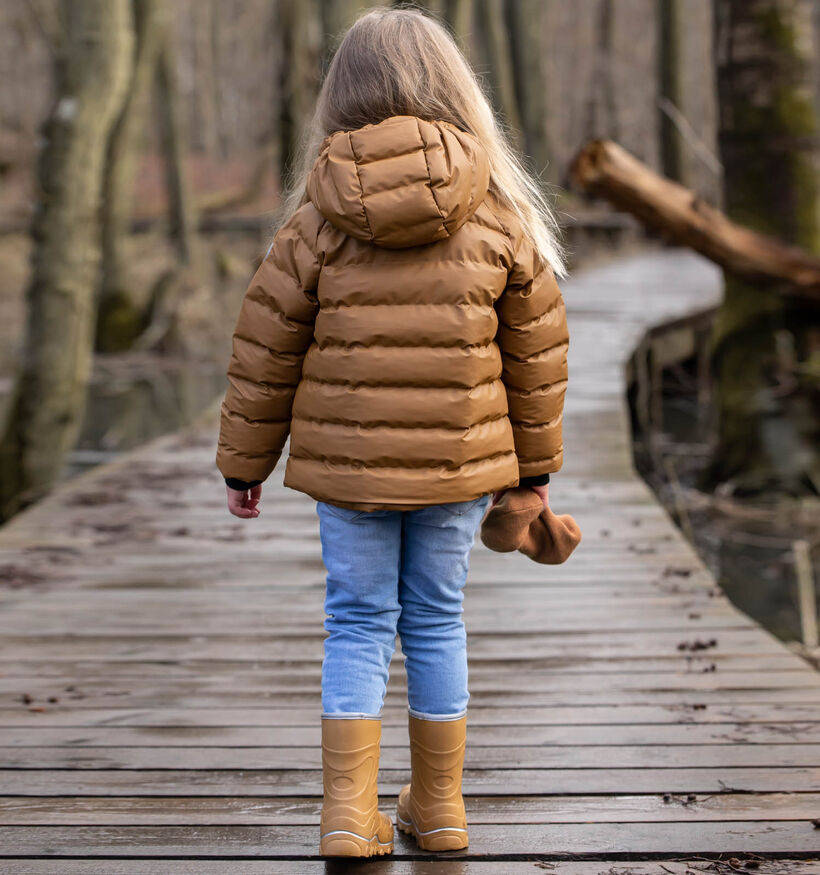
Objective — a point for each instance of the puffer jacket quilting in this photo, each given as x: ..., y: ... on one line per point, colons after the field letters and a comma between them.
x: 401, y: 329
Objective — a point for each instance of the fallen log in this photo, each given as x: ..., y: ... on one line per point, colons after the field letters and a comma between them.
x: 605, y: 169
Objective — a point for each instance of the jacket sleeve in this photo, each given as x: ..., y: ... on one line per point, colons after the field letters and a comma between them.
x: 273, y: 332
x: 534, y: 340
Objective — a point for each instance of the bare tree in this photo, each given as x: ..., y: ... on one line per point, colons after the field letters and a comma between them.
x: 119, y: 317
x: 601, y: 115
x: 496, y: 44
x: 670, y: 86
x: 181, y: 208
x: 206, y: 96
x: 460, y: 15
x: 526, y: 22
x: 337, y: 16
x: 45, y: 413
x: 299, y: 35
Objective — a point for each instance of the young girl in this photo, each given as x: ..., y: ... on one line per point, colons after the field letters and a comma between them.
x: 406, y: 329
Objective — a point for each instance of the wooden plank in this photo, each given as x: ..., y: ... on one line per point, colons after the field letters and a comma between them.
x: 74, y: 646
x: 396, y: 736
x: 504, y: 782
x: 738, y: 717
x: 686, y: 581
x: 143, y: 810
x: 237, y: 684
x: 160, y: 617
x: 18, y: 866
x: 682, y: 695
x: 278, y: 842
x: 491, y: 666
x: 519, y: 756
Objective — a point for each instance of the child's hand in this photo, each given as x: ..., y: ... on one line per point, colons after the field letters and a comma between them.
x: 543, y: 492
x: 244, y: 503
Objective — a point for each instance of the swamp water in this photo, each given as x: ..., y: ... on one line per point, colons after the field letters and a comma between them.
x: 135, y: 398
x: 747, y: 545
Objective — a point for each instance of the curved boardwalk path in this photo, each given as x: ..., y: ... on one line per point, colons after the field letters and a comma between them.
x: 160, y: 668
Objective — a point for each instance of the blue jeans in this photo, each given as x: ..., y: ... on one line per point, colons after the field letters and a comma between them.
x: 389, y: 572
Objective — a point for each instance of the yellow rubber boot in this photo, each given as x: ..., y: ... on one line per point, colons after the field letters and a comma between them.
x: 431, y: 807
x: 351, y: 823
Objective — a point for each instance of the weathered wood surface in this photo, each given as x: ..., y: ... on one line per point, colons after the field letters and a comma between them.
x: 401, y: 867
x: 160, y: 668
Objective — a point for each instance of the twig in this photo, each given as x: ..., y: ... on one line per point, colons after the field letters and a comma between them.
x: 689, y: 135
x: 680, y: 505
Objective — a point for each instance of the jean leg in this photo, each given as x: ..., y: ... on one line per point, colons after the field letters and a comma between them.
x: 361, y: 554
x: 435, y: 557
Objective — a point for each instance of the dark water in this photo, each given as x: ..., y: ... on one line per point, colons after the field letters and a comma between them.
x: 746, y: 545
x: 133, y: 399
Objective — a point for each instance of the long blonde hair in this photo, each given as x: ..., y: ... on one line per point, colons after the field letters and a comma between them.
x: 403, y: 61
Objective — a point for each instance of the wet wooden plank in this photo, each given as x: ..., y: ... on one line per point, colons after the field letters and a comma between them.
x: 311, y: 668
x: 115, y: 647
x: 494, y: 756
x: 238, y: 685
x: 495, y: 695
x: 142, y: 810
x: 282, y: 842
x: 546, y: 622
x: 275, y: 735
x: 504, y: 782
x: 609, y: 866
x: 784, y: 719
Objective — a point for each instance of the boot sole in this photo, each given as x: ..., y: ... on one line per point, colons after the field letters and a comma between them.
x: 444, y: 839
x: 348, y: 844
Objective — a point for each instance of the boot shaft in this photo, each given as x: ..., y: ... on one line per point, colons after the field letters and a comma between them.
x: 350, y: 766
x: 437, y: 761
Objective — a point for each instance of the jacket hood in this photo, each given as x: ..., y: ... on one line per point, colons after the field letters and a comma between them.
x: 402, y: 182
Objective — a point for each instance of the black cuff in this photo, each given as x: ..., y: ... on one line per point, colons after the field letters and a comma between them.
x: 241, y: 485
x: 535, y: 480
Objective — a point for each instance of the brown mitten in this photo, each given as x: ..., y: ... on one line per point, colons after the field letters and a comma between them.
x: 519, y: 521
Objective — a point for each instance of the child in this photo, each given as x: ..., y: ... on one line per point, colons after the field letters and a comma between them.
x: 406, y: 328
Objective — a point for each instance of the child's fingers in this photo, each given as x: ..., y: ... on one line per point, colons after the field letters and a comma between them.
x: 241, y: 505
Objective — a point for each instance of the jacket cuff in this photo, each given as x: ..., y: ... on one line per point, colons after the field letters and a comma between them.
x: 241, y: 485
x: 535, y: 480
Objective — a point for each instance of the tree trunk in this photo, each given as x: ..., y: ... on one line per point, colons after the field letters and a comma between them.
x: 181, y: 208
x: 670, y: 86
x: 493, y: 28
x: 299, y: 34
x: 605, y: 169
x: 601, y: 115
x: 206, y: 125
x: 460, y: 15
x: 769, y: 147
x: 45, y: 413
x: 526, y: 19
x: 119, y: 318
x: 335, y: 17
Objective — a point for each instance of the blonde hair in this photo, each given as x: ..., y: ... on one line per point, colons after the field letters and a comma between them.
x: 402, y: 61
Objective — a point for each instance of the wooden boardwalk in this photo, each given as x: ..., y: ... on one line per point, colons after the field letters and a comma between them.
x: 160, y: 669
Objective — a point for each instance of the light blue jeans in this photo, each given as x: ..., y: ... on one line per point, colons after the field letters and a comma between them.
x: 389, y: 572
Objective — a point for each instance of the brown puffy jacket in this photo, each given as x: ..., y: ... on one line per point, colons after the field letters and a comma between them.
x: 401, y: 328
